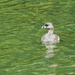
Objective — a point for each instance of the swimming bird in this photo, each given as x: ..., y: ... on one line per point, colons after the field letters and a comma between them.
x: 50, y: 38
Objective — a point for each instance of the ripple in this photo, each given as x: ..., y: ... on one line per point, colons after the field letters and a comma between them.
x: 51, y: 74
x: 71, y: 73
x: 53, y: 65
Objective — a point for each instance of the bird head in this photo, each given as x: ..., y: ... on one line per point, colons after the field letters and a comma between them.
x: 48, y: 25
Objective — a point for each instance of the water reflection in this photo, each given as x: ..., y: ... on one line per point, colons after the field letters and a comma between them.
x: 50, y: 52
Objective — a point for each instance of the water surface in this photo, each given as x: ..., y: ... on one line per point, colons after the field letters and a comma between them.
x: 21, y: 51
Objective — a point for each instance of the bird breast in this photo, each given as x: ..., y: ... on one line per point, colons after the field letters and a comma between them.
x: 49, y: 39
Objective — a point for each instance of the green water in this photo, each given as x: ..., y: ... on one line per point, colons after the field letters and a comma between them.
x: 21, y: 51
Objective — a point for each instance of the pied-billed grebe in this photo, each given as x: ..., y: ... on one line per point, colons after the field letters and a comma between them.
x: 50, y: 37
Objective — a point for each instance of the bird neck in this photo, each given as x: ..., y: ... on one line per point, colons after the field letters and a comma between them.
x: 50, y: 32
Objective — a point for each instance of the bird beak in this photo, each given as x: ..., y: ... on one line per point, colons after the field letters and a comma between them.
x: 42, y: 27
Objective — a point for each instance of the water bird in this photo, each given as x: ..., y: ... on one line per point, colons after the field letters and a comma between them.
x: 49, y: 38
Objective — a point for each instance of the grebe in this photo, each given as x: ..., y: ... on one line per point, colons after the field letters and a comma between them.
x: 50, y: 38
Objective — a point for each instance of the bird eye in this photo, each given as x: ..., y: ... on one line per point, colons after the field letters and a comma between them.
x: 46, y: 24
